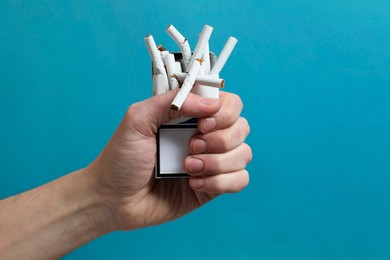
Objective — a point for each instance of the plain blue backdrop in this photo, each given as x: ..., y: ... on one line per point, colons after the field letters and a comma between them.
x: 315, y: 80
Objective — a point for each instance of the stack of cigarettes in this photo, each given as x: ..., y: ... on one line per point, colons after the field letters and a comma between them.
x: 197, y: 71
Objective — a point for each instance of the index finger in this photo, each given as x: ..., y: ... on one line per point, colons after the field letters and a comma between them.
x: 225, y: 117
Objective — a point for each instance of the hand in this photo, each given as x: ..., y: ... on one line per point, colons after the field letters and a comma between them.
x: 125, y: 169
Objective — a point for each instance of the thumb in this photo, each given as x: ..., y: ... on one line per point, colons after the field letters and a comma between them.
x: 146, y: 116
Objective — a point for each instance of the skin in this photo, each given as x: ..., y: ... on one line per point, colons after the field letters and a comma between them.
x: 117, y: 191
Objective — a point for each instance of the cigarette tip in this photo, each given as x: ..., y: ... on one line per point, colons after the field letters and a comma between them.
x: 223, y: 83
x: 161, y: 48
x: 174, y: 107
x: 168, y: 27
x: 147, y: 36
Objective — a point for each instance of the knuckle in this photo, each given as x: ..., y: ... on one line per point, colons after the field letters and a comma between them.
x: 237, y: 184
x: 133, y: 111
x: 224, y: 143
x: 248, y: 153
x: 243, y: 180
x: 217, y: 166
x: 213, y: 165
x: 238, y: 100
x: 245, y: 124
x: 235, y: 98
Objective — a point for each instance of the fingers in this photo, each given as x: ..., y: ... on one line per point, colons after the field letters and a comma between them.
x: 148, y: 115
x: 226, y: 115
x: 198, y: 107
x: 221, y: 140
x: 212, y: 164
x: 218, y: 154
x: 223, y: 183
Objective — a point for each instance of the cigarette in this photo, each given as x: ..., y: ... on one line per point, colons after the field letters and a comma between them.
x: 163, y: 51
x: 182, y: 42
x: 178, y: 66
x: 206, y: 80
x: 160, y: 84
x: 223, y: 56
x: 169, y: 61
x: 187, y: 85
x: 206, y: 59
x: 201, y: 45
x: 155, y: 55
x: 213, y: 59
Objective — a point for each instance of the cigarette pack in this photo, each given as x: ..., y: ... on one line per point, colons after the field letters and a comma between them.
x: 173, y: 137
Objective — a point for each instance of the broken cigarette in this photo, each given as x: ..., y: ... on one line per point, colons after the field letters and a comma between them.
x: 201, y: 44
x: 206, y: 80
x: 155, y: 55
x: 160, y: 80
x: 223, y: 56
x: 187, y: 85
x: 182, y: 42
x: 169, y: 61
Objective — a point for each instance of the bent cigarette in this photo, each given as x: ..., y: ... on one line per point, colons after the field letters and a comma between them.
x: 201, y: 44
x: 206, y: 80
x: 187, y: 85
x: 169, y: 61
x: 223, y: 56
x: 182, y: 42
x: 155, y: 55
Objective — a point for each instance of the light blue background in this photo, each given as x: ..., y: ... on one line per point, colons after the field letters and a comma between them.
x: 315, y: 80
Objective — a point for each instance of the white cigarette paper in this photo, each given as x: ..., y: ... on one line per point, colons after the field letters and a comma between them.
x: 223, y: 56
x: 160, y: 84
x: 178, y: 66
x: 206, y: 80
x: 206, y: 59
x: 201, y: 44
x: 171, y: 68
x: 187, y: 85
x: 182, y: 42
x: 155, y: 55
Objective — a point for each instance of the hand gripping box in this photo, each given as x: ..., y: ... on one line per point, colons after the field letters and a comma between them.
x: 173, y: 137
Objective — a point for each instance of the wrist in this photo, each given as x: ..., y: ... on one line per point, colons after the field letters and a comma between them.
x: 94, y: 205
x: 58, y: 216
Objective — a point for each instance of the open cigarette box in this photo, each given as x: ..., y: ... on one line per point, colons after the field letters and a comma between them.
x: 192, y: 71
x: 172, y: 141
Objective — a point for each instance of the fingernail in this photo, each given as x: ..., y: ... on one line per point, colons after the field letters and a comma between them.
x: 209, y: 124
x: 199, y: 146
x: 195, y: 166
x: 208, y: 101
x: 197, y: 183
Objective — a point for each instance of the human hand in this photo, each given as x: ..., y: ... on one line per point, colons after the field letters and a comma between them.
x: 125, y: 169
